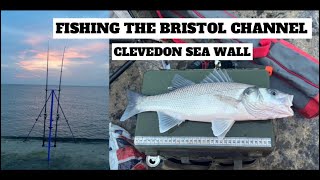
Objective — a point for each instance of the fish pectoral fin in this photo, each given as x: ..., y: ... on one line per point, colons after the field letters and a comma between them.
x: 217, y: 76
x: 221, y: 127
x: 179, y: 82
x: 167, y: 122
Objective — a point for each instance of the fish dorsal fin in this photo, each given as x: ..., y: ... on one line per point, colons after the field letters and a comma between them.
x: 167, y: 122
x: 221, y: 127
x: 217, y: 76
x: 179, y: 82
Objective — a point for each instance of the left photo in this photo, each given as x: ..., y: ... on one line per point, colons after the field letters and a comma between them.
x: 54, y: 95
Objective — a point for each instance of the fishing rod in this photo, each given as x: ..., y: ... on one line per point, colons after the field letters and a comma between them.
x: 119, y: 71
x: 45, y: 104
x: 126, y: 65
x: 44, y: 107
x: 53, y: 96
x: 58, y: 99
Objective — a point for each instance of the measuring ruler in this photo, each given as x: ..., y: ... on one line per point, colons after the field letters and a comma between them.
x: 202, y: 141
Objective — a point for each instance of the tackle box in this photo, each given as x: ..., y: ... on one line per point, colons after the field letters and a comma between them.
x: 195, y: 140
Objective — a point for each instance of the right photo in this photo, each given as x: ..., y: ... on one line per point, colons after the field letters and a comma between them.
x: 260, y: 114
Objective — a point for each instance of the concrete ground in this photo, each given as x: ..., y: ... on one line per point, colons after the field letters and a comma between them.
x: 30, y: 155
x: 297, y: 142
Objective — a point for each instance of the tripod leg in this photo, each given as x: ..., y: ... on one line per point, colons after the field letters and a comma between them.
x: 66, y: 119
x: 57, y: 119
x: 68, y: 124
x: 38, y: 117
x: 56, y: 130
x: 44, y: 128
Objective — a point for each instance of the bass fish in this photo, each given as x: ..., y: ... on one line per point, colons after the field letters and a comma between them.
x: 217, y: 100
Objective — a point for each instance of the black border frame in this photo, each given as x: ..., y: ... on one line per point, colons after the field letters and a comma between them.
x: 152, y: 5
x: 157, y: 5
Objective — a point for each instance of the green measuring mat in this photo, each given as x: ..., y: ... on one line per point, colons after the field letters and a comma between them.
x: 246, y: 136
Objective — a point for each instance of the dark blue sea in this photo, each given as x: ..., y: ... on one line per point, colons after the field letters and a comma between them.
x: 86, y: 109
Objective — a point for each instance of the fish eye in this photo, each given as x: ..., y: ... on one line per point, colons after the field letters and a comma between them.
x: 273, y: 92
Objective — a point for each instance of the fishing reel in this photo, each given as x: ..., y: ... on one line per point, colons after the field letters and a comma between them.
x: 153, y: 161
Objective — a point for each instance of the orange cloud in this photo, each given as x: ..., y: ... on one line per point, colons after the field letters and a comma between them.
x: 38, y: 65
x: 35, y: 40
x: 32, y: 60
x: 99, y: 46
x: 37, y: 61
x: 75, y: 54
x: 91, y: 48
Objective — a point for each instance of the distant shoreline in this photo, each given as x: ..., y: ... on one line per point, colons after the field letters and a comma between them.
x: 56, y: 85
x: 59, y: 139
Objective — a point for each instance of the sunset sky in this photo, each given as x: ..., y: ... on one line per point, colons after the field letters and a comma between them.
x: 24, y: 39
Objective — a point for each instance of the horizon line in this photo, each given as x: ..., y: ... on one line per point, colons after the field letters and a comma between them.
x: 55, y: 84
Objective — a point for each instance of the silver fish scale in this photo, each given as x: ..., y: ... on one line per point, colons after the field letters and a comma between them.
x: 195, y: 100
x: 200, y: 89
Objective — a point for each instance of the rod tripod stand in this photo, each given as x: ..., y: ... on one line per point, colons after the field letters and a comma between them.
x: 53, y: 96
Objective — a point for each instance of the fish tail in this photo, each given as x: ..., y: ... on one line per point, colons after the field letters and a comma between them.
x: 131, y: 109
